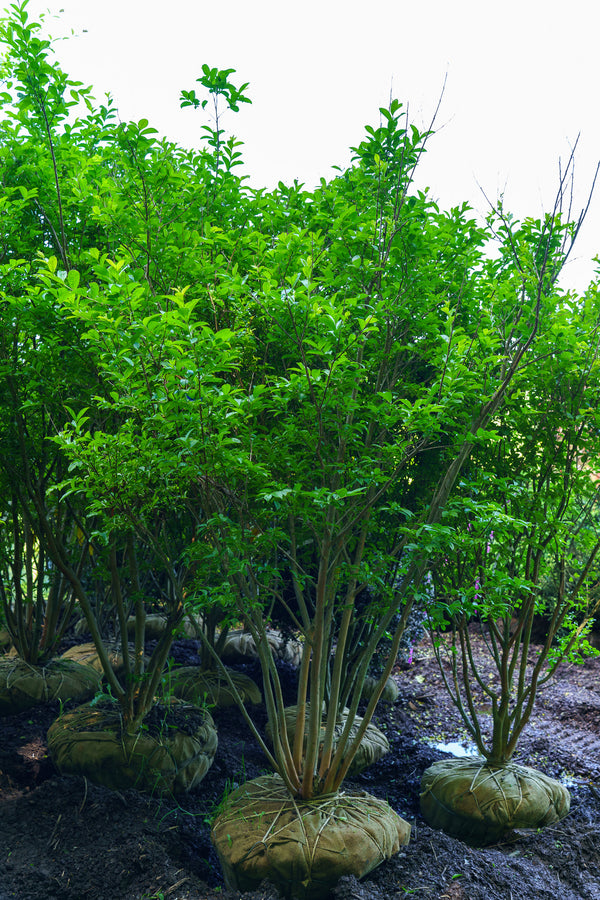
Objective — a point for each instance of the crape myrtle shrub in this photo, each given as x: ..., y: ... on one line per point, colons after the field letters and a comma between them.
x: 265, y: 399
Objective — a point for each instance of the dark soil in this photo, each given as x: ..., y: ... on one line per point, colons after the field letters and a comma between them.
x: 64, y: 837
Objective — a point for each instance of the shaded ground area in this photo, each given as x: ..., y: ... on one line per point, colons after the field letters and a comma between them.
x: 63, y: 837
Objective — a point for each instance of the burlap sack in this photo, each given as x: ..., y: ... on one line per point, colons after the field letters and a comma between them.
x: 240, y: 646
x: 87, y: 654
x: 90, y: 741
x: 5, y: 641
x: 302, y: 847
x: 479, y: 803
x: 210, y: 688
x: 390, y: 690
x: 23, y: 686
x: 373, y: 746
x: 155, y: 625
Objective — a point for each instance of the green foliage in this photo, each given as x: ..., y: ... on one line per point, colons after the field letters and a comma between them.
x: 216, y: 82
x: 258, y: 404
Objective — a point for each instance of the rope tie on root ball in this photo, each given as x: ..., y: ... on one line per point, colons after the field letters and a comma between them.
x: 479, y: 803
x: 23, y: 686
x: 91, y: 741
x: 302, y: 846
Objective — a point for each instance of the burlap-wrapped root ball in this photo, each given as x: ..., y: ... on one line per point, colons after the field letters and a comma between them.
x: 479, y: 803
x: 154, y: 626
x: 373, y: 745
x: 302, y: 847
x: 23, y: 686
x: 87, y: 653
x: 390, y: 689
x: 190, y: 683
x: 172, y: 755
x: 240, y: 647
x: 5, y: 640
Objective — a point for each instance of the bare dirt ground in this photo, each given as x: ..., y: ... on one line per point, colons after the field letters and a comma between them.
x: 65, y: 838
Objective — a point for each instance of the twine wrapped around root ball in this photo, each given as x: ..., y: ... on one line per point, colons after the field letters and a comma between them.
x: 302, y: 846
x: 90, y: 741
x: 479, y: 803
x: 373, y: 746
x: 190, y: 683
x: 23, y: 686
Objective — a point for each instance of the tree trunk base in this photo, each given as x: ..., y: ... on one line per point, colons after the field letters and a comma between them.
x: 373, y: 746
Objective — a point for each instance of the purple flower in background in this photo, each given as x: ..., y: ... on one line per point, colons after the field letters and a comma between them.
x: 477, y: 586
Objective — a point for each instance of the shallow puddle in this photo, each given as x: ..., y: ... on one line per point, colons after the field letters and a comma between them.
x: 457, y: 748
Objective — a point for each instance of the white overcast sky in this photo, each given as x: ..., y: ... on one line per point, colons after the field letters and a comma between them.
x: 521, y: 84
